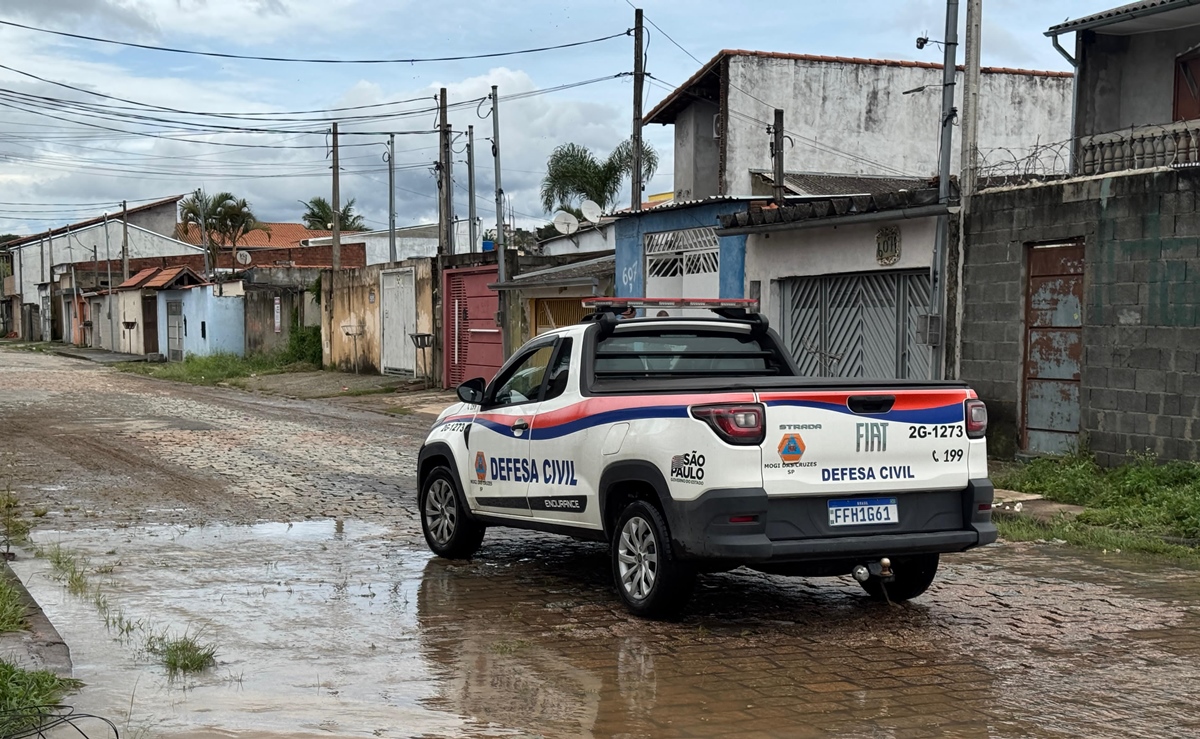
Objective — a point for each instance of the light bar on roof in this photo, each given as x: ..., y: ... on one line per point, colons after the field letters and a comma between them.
x: 749, y: 304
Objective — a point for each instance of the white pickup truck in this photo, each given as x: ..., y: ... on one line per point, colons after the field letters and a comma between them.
x: 693, y: 445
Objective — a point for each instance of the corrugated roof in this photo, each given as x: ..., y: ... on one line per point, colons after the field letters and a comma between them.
x: 666, y: 109
x: 822, y: 184
x: 91, y: 222
x: 830, y: 208
x: 281, y: 236
x: 1122, y: 15
x: 589, y: 268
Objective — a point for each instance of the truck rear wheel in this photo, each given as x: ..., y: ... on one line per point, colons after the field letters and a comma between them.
x: 914, y: 575
x: 449, y: 530
x: 651, y: 582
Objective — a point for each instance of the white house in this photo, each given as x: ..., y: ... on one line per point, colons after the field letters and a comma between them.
x: 411, y: 241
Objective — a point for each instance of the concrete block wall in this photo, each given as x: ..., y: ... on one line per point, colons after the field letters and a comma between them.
x: 1140, y: 380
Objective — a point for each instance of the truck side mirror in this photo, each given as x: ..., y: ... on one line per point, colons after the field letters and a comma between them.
x: 471, y: 391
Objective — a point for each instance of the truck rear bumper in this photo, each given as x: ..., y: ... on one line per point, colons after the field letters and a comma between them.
x: 777, y: 529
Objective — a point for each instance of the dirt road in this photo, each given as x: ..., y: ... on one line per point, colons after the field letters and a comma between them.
x: 285, y: 533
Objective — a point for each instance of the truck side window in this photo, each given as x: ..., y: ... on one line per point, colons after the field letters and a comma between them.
x: 523, y: 381
x: 560, y: 373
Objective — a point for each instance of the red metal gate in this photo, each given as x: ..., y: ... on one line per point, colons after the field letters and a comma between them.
x: 471, y: 345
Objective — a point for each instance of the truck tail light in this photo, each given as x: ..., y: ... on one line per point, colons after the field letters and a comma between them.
x: 976, y: 415
x: 735, y: 424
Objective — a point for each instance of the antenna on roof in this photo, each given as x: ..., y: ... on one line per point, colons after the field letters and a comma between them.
x: 565, y: 223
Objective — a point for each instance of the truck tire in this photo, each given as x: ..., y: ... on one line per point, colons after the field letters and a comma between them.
x: 651, y: 582
x: 914, y: 575
x: 449, y: 530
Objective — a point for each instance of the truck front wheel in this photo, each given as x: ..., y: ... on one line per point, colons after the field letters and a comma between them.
x: 914, y: 575
x: 449, y: 530
x: 651, y: 582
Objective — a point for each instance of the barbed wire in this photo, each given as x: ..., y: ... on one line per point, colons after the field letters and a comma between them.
x: 1006, y: 166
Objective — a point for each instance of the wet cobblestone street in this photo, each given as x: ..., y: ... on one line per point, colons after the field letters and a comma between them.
x: 286, y: 531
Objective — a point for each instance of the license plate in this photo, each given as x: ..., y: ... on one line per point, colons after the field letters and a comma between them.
x: 863, y: 511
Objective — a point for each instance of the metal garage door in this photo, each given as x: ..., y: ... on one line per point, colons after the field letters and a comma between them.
x: 471, y: 340
x: 856, y: 325
x: 683, y: 264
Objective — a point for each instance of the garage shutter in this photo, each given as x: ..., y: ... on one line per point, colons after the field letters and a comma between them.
x: 552, y: 313
x: 856, y: 325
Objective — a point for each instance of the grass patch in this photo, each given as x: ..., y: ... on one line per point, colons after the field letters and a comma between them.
x: 70, y: 568
x: 24, y: 692
x: 1143, y: 496
x: 1023, y: 528
x: 509, y: 646
x: 218, y: 368
x: 183, y: 653
x: 399, y: 410
x: 12, y: 610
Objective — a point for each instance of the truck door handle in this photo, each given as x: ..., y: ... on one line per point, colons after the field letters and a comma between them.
x: 870, y: 404
x: 520, y: 425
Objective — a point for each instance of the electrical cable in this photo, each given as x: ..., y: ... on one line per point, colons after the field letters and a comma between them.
x: 220, y: 55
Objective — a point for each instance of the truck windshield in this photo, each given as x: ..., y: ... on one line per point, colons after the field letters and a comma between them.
x: 673, y: 354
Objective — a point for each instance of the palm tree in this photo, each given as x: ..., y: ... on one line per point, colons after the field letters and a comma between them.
x: 574, y: 174
x: 237, y: 220
x: 225, y: 218
x: 319, y: 215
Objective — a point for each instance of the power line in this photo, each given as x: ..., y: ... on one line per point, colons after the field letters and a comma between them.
x: 220, y: 55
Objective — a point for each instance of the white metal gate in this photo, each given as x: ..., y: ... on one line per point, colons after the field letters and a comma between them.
x: 398, y: 319
x: 683, y: 264
x: 856, y: 325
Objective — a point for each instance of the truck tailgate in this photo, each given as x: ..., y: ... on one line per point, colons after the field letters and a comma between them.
x: 837, y: 443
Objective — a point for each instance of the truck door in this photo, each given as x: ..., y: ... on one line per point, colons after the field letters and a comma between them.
x: 498, y: 445
x: 568, y: 458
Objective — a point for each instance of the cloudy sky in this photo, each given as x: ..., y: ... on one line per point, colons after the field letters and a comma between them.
x: 60, y: 163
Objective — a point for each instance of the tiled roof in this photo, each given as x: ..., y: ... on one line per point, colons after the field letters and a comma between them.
x: 137, y: 279
x: 672, y: 102
x: 171, y: 276
x: 91, y: 222
x: 1118, y: 15
x: 281, y: 236
x: 819, y: 184
x: 830, y: 208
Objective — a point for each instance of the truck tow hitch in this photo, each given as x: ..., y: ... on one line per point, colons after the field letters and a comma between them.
x: 881, y: 569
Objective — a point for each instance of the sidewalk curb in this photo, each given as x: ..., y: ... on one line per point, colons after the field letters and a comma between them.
x: 45, y: 643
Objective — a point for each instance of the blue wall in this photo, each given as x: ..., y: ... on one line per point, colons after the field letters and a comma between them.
x: 223, y: 319
x: 631, y: 232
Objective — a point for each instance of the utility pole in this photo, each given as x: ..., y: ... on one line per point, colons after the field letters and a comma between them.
x: 638, y: 76
x: 501, y: 249
x: 208, y: 266
x: 970, y: 103
x: 124, y: 241
x: 337, y: 204
x: 112, y: 327
x: 473, y: 226
x: 445, y: 209
x: 937, y: 329
x: 777, y: 156
x: 391, y: 157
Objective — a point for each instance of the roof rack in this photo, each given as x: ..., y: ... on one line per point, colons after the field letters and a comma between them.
x: 606, y: 310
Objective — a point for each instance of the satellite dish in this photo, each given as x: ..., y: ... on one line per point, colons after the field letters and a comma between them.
x: 565, y: 223
x: 243, y: 257
x: 591, y: 211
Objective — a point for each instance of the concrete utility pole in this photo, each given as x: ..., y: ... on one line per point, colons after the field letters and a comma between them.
x: 208, y: 266
x: 50, y: 289
x: 337, y: 204
x: 124, y: 241
x: 937, y: 269
x: 112, y: 327
x: 777, y: 156
x: 501, y: 249
x: 970, y: 103
x: 639, y: 74
x: 445, y: 184
x: 391, y: 158
x: 473, y: 226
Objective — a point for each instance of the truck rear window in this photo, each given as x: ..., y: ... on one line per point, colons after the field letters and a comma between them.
x: 683, y: 353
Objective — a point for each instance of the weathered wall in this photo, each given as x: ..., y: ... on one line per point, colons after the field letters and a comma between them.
x: 1140, y: 383
x: 697, y: 151
x: 585, y: 242
x: 261, y: 334
x: 1129, y: 80
x: 864, y: 122
x: 213, y: 324
x: 631, y: 238
x: 830, y: 251
x: 160, y: 220
x: 412, y: 242
x: 350, y: 301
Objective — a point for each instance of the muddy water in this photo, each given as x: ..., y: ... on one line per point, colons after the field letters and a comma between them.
x: 327, y: 629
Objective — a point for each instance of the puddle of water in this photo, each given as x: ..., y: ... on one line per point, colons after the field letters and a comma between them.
x: 314, y: 624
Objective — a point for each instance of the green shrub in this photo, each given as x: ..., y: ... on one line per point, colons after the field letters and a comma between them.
x: 304, y: 345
